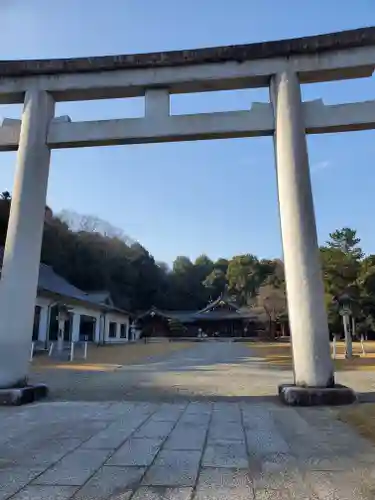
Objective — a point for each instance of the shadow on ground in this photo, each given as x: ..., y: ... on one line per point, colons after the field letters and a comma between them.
x: 214, y: 372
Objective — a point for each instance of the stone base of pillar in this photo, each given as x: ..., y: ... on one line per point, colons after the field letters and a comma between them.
x: 17, y: 396
x: 294, y: 395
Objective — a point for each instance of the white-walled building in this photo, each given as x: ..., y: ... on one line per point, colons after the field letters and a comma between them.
x: 91, y: 316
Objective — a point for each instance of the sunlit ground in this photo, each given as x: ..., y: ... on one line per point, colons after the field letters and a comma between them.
x: 110, y: 357
x: 361, y: 417
x: 278, y: 355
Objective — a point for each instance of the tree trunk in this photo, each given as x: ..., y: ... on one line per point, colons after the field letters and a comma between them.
x: 272, y: 329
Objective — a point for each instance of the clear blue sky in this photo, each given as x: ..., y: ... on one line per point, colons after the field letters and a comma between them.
x: 216, y: 197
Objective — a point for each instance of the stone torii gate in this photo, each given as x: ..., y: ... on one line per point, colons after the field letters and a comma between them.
x: 281, y: 65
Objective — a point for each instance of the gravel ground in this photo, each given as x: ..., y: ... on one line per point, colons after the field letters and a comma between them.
x: 213, y: 370
x: 209, y: 370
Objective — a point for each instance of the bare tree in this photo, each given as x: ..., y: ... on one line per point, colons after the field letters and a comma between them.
x: 273, y: 300
x: 93, y: 224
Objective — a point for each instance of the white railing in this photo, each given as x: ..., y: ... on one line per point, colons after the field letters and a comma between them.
x: 72, y: 350
x: 32, y: 350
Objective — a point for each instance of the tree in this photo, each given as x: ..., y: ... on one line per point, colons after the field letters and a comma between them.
x: 273, y: 300
x: 341, y: 265
x: 182, y: 265
x: 203, y: 266
x: 244, y: 276
x: 222, y: 265
x: 93, y: 224
x: 215, y: 283
x: 346, y: 240
x: 5, y: 195
x: 5, y: 200
x: 340, y: 270
x: 366, y: 284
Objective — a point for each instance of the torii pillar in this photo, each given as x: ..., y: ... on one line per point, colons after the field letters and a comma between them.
x: 20, y: 271
x: 313, y: 367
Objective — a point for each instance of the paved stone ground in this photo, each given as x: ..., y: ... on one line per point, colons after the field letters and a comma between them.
x: 212, y: 441
x: 180, y: 451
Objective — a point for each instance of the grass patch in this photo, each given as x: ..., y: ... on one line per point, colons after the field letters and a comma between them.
x: 110, y: 357
x: 276, y: 355
x: 279, y: 355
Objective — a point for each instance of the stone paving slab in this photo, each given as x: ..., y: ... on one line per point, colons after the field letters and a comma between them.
x: 82, y: 431
x: 265, y: 443
x: 109, y: 439
x: 195, y: 419
x: 118, y: 431
x: 168, y: 412
x: 225, y: 431
x: 226, y: 412
x: 74, y: 469
x: 174, y: 468
x: 136, y: 451
x: 199, y: 408
x: 15, y: 478
x: 45, y: 493
x: 41, y: 453
x: 115, y: 483
x: 186, y: 437
x: 155, y: 429
x: 230, y: 454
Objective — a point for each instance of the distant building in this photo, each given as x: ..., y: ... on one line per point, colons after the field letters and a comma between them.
x: 221, y: 317
x: 91, y: 316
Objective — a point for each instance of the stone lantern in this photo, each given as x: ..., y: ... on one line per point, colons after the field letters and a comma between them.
x: 345, y: 303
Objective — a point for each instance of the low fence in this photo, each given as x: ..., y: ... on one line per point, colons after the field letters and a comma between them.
x: 68, y: 351
x: 362, y: 351
x: 212, y: 339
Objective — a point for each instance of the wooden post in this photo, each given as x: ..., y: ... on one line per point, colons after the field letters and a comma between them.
x: 32, y: 351
x: 71, y: 357
x: 363, y: 345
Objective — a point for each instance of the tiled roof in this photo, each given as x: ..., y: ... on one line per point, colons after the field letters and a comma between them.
x: 191, y: 316
x: 221, y: 301
x: 102, y: 297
